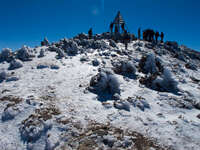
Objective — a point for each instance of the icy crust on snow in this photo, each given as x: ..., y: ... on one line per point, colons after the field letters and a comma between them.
x: 83, y: 94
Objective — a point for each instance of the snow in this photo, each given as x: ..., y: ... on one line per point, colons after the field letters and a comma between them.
x: 57, y: 105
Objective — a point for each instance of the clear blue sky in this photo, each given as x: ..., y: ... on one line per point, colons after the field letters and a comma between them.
x: 29, y: 21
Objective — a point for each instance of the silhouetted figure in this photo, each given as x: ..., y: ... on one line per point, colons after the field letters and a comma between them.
x: 139, y: 31
x: 90, y: 33
x: 162, y: 37
x: 156, y: 36
x: 123, y: 27
x: 152, y: 34
x: 116, y: 29
x: 144, y: 35
x: 111, y: 27
x: 126, y: 39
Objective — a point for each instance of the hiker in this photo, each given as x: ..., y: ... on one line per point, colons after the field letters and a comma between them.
x: 123, y: 27
x: 144, y: 35
x: 111, y: 27
x: 90, y: 33
x: 157, y: 35
x: 116, y: 29
x: 139, y: 33
x: 152, y: 34
x: 126, y: 39
x: 162, y: 37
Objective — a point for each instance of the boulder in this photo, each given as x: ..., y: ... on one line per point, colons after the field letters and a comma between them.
x: 6, y: 55
x: 15, y: 64
x: 24, y: 54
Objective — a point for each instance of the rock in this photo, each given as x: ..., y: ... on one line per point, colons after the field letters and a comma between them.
x: 109, y: 140
x: 116, y: 96
x: 124, y: 67
x: 70, y: 47
x: 6, y: 55
x: 24, y: 54
x: 10, y: 113
x: 95, y: 62
x: 3, y: 75
x: 41, y: 53
x: 171, y: 45
x: 15, y: 64
x: 42, y: 66
x: 198, y: 116
x: 105, y: 81
x: 140, y: 103
x: 12, y: 79
x: 54, y: 67
x: 197, y: 105
x: 122, y: 105
x: 84, y: 59
x: 191, y: 66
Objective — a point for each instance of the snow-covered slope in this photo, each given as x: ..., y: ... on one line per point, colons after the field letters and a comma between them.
x: 94, y: 94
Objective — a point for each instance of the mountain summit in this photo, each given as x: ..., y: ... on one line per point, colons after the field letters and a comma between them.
x: 87, y: 94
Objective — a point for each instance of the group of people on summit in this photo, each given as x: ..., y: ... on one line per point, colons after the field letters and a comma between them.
x: 121, y: 34
x: 151, y: 36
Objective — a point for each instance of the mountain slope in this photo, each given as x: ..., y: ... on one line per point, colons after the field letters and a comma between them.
x: 84, y: 94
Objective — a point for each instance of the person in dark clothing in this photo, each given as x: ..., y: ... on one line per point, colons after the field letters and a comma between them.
x: 139, y: 31
x: 90, y: 33
x: 144, y: 35
x: 123, y: 27
x: 151, y: 35
x: 162, y: 37
x: 126, y: 39
x: 156, y: 36
x: 116, y: 29
x: 111, y: 27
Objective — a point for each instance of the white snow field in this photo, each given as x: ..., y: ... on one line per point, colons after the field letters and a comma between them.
x: 86, y: 94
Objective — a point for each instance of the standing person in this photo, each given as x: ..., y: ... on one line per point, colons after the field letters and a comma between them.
x: 116, y: 29
x: 144, y: 35
x: 162, y: 37
x: 111, y: 27
x: 157, y: 35
x: 139, y: 33
x: 126, y: 39
x: 90, y: 33
x: 152, y: 34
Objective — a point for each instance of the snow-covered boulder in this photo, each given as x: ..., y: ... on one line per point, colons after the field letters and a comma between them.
x: 191, y: 65
x: 53, y: 66
x: 150, y: 64
x: 105, y: 81
x: 120, y: 104
x: 139, y: 102
x: 70, y: 47
x: 6, y: 55
x: 42, y: 66
x: 41, y: 53
x: 10, y: 113
x: 3, y: 75
x: 124, y: 67
x: 171, y: 45
x: 165, y: 82
x: 15, y: 64
x: 24, y: 54
x: 95, y: 62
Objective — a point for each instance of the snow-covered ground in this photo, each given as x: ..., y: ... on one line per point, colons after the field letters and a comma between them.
x: 48, y: 102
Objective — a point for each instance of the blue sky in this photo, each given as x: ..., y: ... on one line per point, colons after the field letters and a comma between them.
x: 29, y: 21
